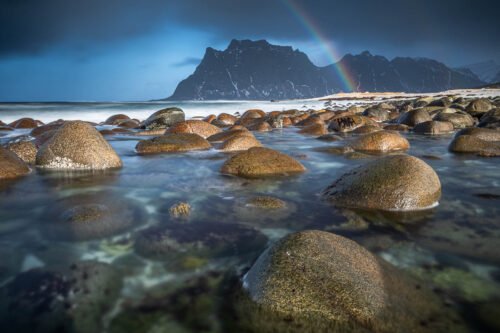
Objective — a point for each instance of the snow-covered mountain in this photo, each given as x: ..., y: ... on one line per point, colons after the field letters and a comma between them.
x: 258, y: 70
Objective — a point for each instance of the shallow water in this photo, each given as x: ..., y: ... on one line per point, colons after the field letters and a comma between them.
x: 454, y: 245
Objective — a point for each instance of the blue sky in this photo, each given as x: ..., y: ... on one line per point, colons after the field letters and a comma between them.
x: 126, y: 50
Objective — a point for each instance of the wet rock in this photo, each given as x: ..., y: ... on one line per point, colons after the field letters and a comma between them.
x: 329, y: 137
x: 398, y: 182
x: 311, y: 120
x: 414, y: 117
x: 210, y: 118
x: 24, y: 123
x: 241, y: 142
x: 314, y: 129
x: 226, y: 119
x: 253, y: 114
x: 131, y: 123
x: 90, y: 216
x: 347, y: 123
x: 314, y: 281
x: 397, y: 127
x: 229, y: 134
x: 260, y: 126
x: 11, y: 166
x: 471, y: 144
x: 267, y: 202
x: 70, y: 300
x: 458, y: 119
x: 261, y: 162
x: 490, y: 119
x: 479, y: 106
x: 366, y: 129
x: 25, y: 150
x: 77, y: 145
x: 116, y: 119
x: 376, y: 113
x: 434, y: 127
x: 485, y: 134
x: 199, y: 127
x: 200, y: 239
x: 173, y: 142
x: 180, y: 210
x: 35, y: 132
x: 488, y: 313
x: 380, y: 141
x: 163, y: 119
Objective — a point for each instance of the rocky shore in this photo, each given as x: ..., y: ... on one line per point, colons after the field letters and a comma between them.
x: 328, y: 280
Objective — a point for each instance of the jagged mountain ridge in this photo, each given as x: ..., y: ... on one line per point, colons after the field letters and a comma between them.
x: 258, y: 70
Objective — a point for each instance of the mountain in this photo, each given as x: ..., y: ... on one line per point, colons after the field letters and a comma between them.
x: 258, y: 70
x: 486, y: 70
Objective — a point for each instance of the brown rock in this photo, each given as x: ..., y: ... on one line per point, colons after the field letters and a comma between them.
x: 199, y: 127
x: 347, y: 123
x: 366, y: 129
x: 116, y: 119
x: 25, y: 150
x: 471, y: 144
x: 210, y: 118
x: 316, y: 129
x: 380, y: 141
x: 261, y: 162
x: 485, y: 134
x: 396, y: 182
x: 24, y: 123
x: 397, y: 127
x: 434, y: 127
x: 226, y: 119
x: 414, y: 117
x: 11, y: 166
x: 458, y: 119
x: 172, y: 142
x: 77, y: 145
x: 253, y: 113
x: 242, y: 142
x: 226, y: 135
x: 260, y: 126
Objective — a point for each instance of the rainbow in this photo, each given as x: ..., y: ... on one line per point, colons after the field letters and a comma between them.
x: 312, y: 28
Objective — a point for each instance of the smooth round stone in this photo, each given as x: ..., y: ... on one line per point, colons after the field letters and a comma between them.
x: 261, y: 162
x: 229, y: 134
x: 471, y: 144
x: 116, y: 119
x: 380, y: 141
x: 315, y: 129
x: 458, y: 119
x: 163, y: 119
x: 173, y: 142
x: 25, y: 150
x: 486, y: 134
x: 434, y: 127
x: 347, y: 123
x: 199, y: 127
x: 397, y: 182
x: 77, y: 145
x: 414, y: 117
x: 315, y: 281
x: 238, y: 143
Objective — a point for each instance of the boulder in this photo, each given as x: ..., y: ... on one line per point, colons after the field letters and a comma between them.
x: 199, y: 127
x: 226, y: 135
x: 316, y: 129
x: 434, y: 127
x: 472, y: 144
x: 376, y: 113
x: 366, y: 129
x: 163, y: 118
x: 414, y: 117
x: 260, y: 126
x: 485, y: 134
x: 380, y: 141
x: 24, y: 123
x: 315, y: 281
x: 479, y: 106
x: 261, y: 162
x: 172, y: 142
x: 116, y: 119
x: 458, y: 119
x: 347, y: 123
x: 397, y: 127
x: 242, y: 142
x: 11, y: 166
x: 77, y: 145
x: 226, y: 119
x: 25, y: 150
x: 397, y: 182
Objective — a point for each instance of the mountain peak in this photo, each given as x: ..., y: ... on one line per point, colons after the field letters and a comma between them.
x: 366, y: 54
x: 245, y: 43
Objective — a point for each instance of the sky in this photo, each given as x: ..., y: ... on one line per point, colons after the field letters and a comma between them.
x: 131, y: 50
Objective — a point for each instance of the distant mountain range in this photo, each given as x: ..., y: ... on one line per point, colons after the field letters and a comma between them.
x: 258, y: 70
x: 487, y: 71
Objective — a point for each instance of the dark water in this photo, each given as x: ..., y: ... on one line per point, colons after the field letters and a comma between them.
x: 454, y: 246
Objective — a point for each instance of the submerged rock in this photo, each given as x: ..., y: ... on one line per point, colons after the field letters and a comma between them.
x: 77, y: 145
x: 11, y: 166
x: 180, y: 210
x: 171, y: 242
x: 267, y: 202
x: 261, y: 162
x: 398, y: 182
x: 71, y: 300
x: 199, y: 127
x: 90, y: 216
x: 163, y: 119
x: 314, y: 281
x: 380, y: 141
x: 173, y: 142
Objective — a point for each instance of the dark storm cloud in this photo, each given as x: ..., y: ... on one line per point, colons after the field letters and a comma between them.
x: 28, y: 26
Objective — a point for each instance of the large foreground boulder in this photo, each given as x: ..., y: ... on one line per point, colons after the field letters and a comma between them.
x: 315, y: 281
x: 398, y: 182
x: 261, y: 162
x: 173, y: 142
x: 25, y: 150
x: 77, y: 145
x: 163, y: 119
x: 11, y: 166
